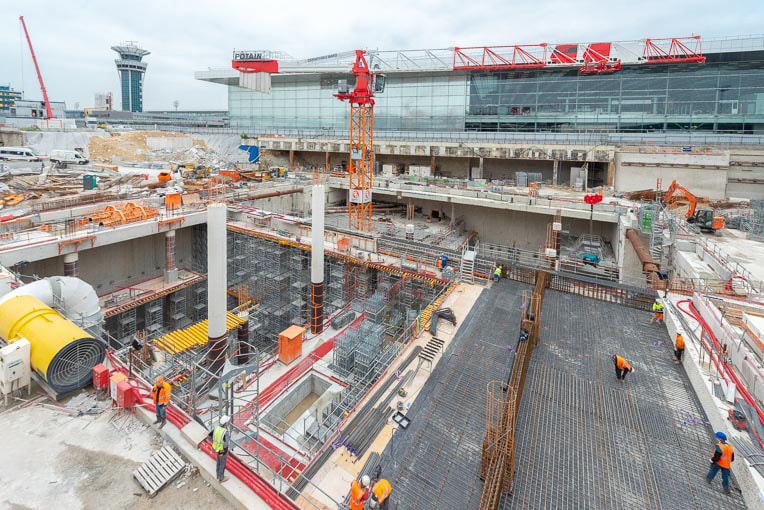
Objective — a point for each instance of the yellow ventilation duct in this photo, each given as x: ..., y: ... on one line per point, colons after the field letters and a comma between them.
x: 62, y: 353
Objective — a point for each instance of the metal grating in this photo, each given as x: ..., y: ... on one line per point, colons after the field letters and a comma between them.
x: 435, y: 463
x: 72, y: 367
x: 585, y: 440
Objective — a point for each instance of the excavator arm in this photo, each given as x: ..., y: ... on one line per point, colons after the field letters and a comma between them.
x: 692, y: 199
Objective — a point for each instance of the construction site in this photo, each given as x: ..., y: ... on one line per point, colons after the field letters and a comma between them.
x: 440, y: 310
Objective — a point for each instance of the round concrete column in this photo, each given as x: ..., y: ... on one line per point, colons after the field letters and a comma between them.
x: 72, y: 265
x: 170, y: 271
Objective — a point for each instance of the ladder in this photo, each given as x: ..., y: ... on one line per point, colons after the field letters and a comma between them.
x: 467, y: 265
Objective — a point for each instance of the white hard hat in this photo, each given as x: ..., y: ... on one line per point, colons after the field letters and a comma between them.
x: 365, y: 480
x: 224, y: 420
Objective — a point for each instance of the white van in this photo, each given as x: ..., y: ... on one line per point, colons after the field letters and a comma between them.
x: 18, y: 154
x: 64, y: 156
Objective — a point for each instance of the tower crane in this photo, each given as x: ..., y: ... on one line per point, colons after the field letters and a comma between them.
x: 361, y: 164
x: 48, y: 109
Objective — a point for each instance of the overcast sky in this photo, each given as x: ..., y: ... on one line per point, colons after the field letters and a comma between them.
x: 72, y: 38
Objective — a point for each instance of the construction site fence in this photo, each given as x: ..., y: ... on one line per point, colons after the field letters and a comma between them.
x: 582, y: 137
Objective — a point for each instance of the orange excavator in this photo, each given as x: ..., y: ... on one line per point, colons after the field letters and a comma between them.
x: 705, y: 219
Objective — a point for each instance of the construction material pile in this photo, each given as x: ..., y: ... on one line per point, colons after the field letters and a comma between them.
x: 139, y: 146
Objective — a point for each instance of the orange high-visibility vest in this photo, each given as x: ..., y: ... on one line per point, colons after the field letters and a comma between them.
x: 161, y: 394
x: 382, y: 490
x: 725, y: 461
x: 679, y: 342
x: 357, y: 496
x: 621, y: 363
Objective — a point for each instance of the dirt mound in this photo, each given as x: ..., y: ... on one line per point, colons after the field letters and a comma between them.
x: 133, y: 147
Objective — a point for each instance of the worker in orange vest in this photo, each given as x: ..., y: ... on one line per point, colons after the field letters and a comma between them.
x: 722, y: 460
x: 359, y: 493
x: 380, y: 494
x: 679, y: 348
x: 622, y: 367
x: 160, y: 396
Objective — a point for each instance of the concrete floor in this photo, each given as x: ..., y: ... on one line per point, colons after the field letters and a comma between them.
x: 51, y: 459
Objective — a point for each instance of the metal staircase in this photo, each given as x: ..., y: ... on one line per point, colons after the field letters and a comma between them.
x: 467, y: 265
x: 656, y: 232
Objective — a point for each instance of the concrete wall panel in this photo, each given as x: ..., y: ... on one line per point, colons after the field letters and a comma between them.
x: 704, y: 175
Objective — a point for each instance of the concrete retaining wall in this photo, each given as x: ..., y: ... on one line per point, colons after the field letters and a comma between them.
x: 703, y: 174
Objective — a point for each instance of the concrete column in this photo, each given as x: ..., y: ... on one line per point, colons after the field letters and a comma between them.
x: 328, y: 162
x: 170, y: 271
x: 611, y: 173
x: 317, y: 261
x: 217, y: 278
x: 432, y: 166
x: 291, y: 160
x: 72, y: 264
x: 555, y: 168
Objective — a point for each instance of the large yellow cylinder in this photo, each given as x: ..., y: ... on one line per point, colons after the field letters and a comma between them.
x: 61, y: 352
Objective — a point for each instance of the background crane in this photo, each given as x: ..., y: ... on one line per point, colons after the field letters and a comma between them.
x: 361, y: 163
x: 48, y: 109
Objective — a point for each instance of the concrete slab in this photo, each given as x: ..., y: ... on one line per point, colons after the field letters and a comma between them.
x: 51, y: 459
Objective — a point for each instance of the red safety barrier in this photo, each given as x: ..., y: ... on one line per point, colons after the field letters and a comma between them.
x: 263, y: 489
x: 721, y: 366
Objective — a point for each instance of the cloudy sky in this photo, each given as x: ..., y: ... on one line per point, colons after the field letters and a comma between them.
x: 72, y: 38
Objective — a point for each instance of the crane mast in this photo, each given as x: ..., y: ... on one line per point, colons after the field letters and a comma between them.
x: 361, y: 163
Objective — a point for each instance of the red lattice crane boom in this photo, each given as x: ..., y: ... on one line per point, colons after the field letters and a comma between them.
x: 361, y: 163
x: 48, y: 109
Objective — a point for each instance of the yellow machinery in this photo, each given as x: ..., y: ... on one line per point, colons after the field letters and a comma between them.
x: 62, y: 353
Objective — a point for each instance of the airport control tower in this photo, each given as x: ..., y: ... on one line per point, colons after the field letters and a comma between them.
x: 131, y: 69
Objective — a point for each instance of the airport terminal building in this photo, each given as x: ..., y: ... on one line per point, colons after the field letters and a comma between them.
x: 628, y: 87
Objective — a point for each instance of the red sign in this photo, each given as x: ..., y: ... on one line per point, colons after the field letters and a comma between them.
x: 593, y: 199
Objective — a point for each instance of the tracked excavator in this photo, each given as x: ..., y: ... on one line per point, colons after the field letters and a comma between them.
x: 705, y: 219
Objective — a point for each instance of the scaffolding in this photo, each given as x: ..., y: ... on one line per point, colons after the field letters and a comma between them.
x: 153, y: 318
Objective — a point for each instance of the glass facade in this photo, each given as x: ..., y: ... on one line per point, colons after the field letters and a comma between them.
x: 724, y: 95
x: 132, y: 90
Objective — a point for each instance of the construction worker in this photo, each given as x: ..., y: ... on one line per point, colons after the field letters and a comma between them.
x: 657, y: 311
x: 160, y: 396
x: 622, y: 367
x: 722, y: 459
x: 220, y: 438
x: 359, y: 493
x: 679, y: 348
x: 497, y: 274
x: 380, y: 494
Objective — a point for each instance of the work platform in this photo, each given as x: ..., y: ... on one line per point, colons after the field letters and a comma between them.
x: 583, y: 439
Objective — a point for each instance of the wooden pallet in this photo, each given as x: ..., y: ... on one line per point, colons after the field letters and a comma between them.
x: 161, y: 468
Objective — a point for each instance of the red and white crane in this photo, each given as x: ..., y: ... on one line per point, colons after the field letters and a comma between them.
x: 48, y: 109
x: 361, y: 164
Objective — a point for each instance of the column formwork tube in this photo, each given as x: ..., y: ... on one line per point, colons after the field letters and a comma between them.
x: 216, y: 286
x: 317, y: 260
